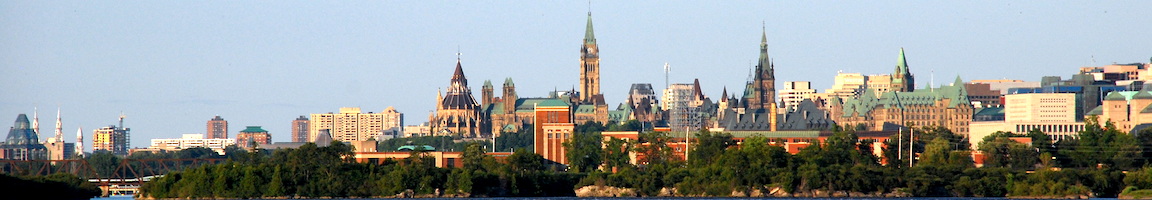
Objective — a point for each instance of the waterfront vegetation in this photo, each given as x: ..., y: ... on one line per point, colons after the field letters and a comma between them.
x: 1101, y: 162
x: 53, y: 186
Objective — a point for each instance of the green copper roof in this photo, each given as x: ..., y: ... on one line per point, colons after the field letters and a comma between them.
x: 508, y: 82
x: 1142, y: 95
x: 990, y: 111
x: 583, y: 109
x: 901, y: 63
x: 487, y: 84
x: 1147, y: 109
x: 748, y: 91
x: 866, y: 102
x: 589, y: 37
x: 552, y: 102
x: 1099, y: 110
x: 253, y: 129
x: 1115, y: 96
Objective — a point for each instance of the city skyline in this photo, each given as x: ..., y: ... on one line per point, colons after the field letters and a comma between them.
x: 171, y: 66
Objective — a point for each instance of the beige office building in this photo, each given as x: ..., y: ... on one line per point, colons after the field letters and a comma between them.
x: 1051, y: 113
x: 845, y: 85
x: 879, y: 84
x: 796, y: 91
x: 191, y: 141
x: 352, y: 125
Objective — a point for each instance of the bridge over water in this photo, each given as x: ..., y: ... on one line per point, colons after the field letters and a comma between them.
x: 124, y: 178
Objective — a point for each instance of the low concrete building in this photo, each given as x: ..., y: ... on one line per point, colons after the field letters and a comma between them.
x: 191, y: 141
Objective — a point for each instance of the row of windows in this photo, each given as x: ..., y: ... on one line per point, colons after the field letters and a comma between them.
x: 558, y: 135
x: 1056, y: 128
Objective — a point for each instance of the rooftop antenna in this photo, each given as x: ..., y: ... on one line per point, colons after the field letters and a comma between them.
x: 122, y: 116
x: 932, y: 80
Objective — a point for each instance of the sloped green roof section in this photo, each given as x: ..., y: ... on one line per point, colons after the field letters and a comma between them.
x: 526, y: 105
x: 1142, y: 95
x: 990, y: 111
x: 1099, y: 110
x: 865, y: 103
x: 552, y: 102
x: 1112, y: 96
x: 1147, y: 109
x: 585, y: 109
x: 253, y: 129
x: 589, y: 36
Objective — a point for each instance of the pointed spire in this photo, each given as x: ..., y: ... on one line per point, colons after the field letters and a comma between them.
x: 59, y: 129
x: 696, y: 92
x: 459, y: 74
x: 589, y: 37
x: 763, y: 34
x: 724, y: 94
x: 901, y: 63
x: 80, y: 141
x: 764, y: 68
x: 36, y: 120
x: 959, y: 82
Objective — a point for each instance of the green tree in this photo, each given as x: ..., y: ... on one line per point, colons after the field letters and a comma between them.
x: 616, y: 153
x: 522, y: 161
x: 584, y: 151
x: 105, y: 163
x: 939, y: 153
x: 708, y: 146
x: 1001, y: 151
x: 276, y: 184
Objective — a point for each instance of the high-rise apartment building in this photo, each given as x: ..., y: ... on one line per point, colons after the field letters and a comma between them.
x: 253, y: 134
x: 794, y: 92
x: 393, y: 122
x: 300, y: 129
x: 112, y: 138
x: 349, y: 125
x: 217, y: 128
x: 677, y: 96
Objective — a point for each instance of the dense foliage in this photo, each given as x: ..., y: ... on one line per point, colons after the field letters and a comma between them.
x: 942, y: 165
x: 1091, y: 164
x: 54, y: 186
x: 312, y: 171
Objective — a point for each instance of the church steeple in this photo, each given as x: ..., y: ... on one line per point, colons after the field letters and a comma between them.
x: 589, y: 66
x: 902, y: 79
x: 763, y: 84
x: 589, y: 36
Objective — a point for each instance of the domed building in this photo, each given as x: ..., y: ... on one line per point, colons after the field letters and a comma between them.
x: 22, y: 142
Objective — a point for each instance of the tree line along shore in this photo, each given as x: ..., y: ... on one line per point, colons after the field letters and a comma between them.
x: 1101, y: 162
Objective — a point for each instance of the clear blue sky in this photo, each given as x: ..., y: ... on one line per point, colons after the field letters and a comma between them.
x: 171, y: 66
